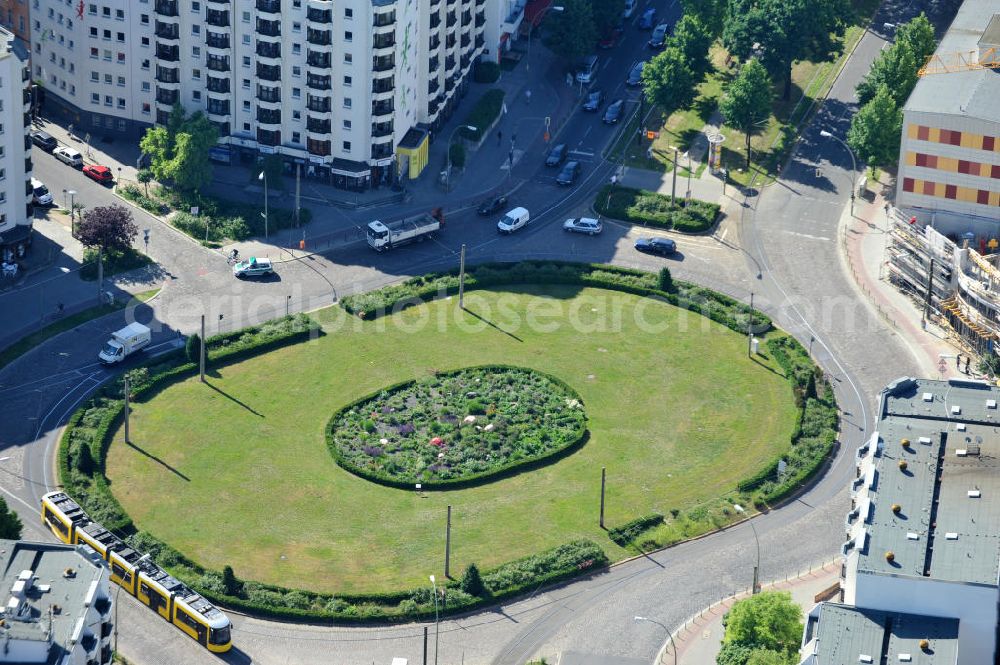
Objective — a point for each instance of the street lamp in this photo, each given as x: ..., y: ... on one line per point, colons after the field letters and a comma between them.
x: 436, y: 619
x: 738, y: 508
x: 118, y: 593
x: 531, y: 27
x: 451, y: 137
x: 263, y: 176
x: 673, y: 646
x: 854, y: 163
x: 72, y: 212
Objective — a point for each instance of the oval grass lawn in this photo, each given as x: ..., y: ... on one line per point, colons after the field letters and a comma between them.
x: 237, y: 472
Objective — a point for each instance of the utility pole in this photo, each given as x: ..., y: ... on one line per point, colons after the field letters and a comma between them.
x: 603, y: 485
x: 927, y: 303
x: 673, y: 185
x: 201, y: 354
x: 298, y: 186
x: 461, y: 298
x: 447, y: 546
x: 750, y: 329
x: 128, y: 439
x: 425, y: 645
x: 100, y: 272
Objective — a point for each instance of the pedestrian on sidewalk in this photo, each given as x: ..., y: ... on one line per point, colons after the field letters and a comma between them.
x: 499, y: 136
x: 967, y: 360
x: 958, y: 361
x: 527, y: 96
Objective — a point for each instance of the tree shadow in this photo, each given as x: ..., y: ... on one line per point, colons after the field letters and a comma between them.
x: 159, y: 461
x: 491, y: 324
x: 233, y: 399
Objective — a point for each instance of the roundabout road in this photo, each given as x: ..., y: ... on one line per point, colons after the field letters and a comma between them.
x: 787, y: 236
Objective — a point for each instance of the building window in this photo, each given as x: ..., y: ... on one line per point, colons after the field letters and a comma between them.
x: 121, y: 102
x: 246, y: 61
x: 121, y: 57
x: 109, y: 100
x: 246, y: 104
x: 348, y: 36
x: 196, y: 74
x: 296, y: 26
x: 144, y: 19
x: 296, y: 93
x: 120, y: 36
x: 348, y: 12
x: 119, y: 14
x: 95, y: 77
x: 92, y: 9
x: 246, y: 17
x: 296, y: 70
x: 195, y: 29
x: 106, y: 12
x: 107, y: 79
x: 347, y: 124
x: 246, y: 39
x: 93, y: 52
x: 296, y: 137
x: 196, y: 95
x: 107, y: 54
x: 195, y: 7
x: 908, y: 184
x: 93, y: 32
x: 246, y: 126
x: 246, y: 83
x: 107, y: 35
x: 72, y: 90
x: 144, y: 41
x: 196, y: 51
x: 145, y: 64
x: 95, y: 98
x: 347, y: 146
x: 347, y: 102
x: 121, y: 81
x: 296, y: 115
x: 145, y: 108
x: 348, y: 58
x: 347, y: 81
x: 950, y: 191
x: 988, y: 142
x: 983, y: 197
x: 296, y: 49
x: 145, y: 86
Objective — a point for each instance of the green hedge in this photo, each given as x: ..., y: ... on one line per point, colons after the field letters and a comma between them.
x: 652, y: 209
x: 626, y: 533
x: 482, y: 115
x: 115, y: 261
x: 577, y: 441
x: 486, y: 72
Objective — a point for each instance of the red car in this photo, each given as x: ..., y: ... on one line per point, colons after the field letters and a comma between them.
x: 101, y: 174
x: 610, y: 38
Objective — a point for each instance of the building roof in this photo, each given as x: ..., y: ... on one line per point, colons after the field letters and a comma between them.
x: 56, y: 599
x: 845, y: 634
x: 973, y: 93
x: 947, y: 526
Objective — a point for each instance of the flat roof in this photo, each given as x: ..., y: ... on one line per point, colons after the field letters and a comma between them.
x: 947, y: 526
x: 845, y: 634
x: 62, y: 604
x: 974, y: 93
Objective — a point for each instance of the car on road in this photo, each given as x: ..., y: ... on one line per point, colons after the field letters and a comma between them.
x: 68, y: 155
x: 491, y: 206
x: 515, y: 219
x: 594, y: 101
x: 98, y: 173
x: 654, y: 245
x: 44, y: 140
x: 630, y: 6
x: 659, y: 37
x: 611, y: 37
x: 614, y: 112
x: 648, y: 19
x: 569, y: 173
x: 557, y: 155
x: 586, y: 69
x: 587, y: 225
x: 253, y: 267
x: 40, y: 194
x: 635, y: 74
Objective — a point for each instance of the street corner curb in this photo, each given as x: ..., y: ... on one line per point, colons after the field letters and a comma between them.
x: 160, y: 219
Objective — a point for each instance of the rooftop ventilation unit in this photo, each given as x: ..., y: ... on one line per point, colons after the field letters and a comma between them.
x: 928, y: 397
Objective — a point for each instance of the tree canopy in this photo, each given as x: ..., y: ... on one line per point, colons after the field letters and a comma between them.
x: 10, y: 523
x: 746, y: 104
x: 178, y: 151
x: 712, y: 13
x: 607, y: 14
x: 108, y: 227
x: 769, y: 620
x: 897, y: 66
x: 571, y: 33
x: 667, y: 79
x: 875, y: 130
x: 693, y: 36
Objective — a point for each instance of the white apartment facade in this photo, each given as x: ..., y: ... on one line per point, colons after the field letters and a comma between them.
x: 16, y: 212
x: 332, y: 85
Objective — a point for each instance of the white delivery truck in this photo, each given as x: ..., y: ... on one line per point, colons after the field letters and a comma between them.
x: 124, y: 343
x: 386, y: 235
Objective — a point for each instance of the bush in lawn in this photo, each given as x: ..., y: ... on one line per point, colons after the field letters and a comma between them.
x: 664, y: 281
x: 230, y: 585
x: 487, y: 72
x: 653, y: 209
x: 192, y: 348
x: 482, y: 115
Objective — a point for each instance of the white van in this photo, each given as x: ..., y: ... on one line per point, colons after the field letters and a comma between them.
x: 40, y: 193
x: 68, y: 155
x: 586, y: 70
x: 513, y: 220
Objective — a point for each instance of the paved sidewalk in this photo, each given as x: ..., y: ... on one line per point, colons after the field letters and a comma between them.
x: 699, y: 640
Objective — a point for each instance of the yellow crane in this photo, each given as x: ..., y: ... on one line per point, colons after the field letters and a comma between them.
x: 961, y: 61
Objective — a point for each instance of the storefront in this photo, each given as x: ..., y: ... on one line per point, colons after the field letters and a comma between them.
x: 14, y: 242
x: 352, y: 176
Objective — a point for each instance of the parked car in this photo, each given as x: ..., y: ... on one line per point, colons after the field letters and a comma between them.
x: 648, y: 19
x: 40, y: 194
x: 662, y: 246
x: 630, y: 6
x: 98, y: 173
x: 513, y: 220
x: 659, y: 37
x: 492, y: 205
x: 614, y: 112
x: 611, y: 37
x: 569, y: 173
x: 44, y: 140
x: 557, y: 155
x: 593, y: 101
x: 253, y: 267
x: 635, y: 74
x: 586, y: 69
x: 586, y: 225
x: 68, y: 155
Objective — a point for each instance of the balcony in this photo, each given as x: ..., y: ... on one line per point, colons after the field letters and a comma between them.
x: 268, y: 28
x: 465, y: 41
x: 170, y: 31
x: 451, y: 20
x: 218, y: 107
x: 218, y: 85
x: 380, y: 86
x: 382, y: 151
x: 318, y: 148
x: 168, y: 97
x: 433, y: 64
x: 449, y: 64
x: 315, y: 15
x: 27, y: 165
x: 318, y: 59
x: 218, y: 63
x: 217, y: 18
x: 269, y: 49
x: 318, y: 104
x: 386, y: 63
x: 215, y: 40
x: 268, y: 116
x: 380, y: 109
x: 317, y: 125
x: 166, y: 8
x: 380, y: 129
x: 268, y: 72
x: 167, y: 53
x: 435, y: 21
x: 480, y: 40
x: 268, y: 137
x: 269, y: 6
x: 167, y: 75
x: 319, y: 37
x: 433, y: 86
x: 465, y: 61
x: 384, y: 41
x: 466, y: 17
x: 318, y: 82
x: 269, y: 95
x: 433, y: 43
x: 450, y: 41
x: 480, y: 19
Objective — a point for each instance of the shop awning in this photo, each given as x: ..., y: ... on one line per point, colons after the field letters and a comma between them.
x: 348, y: 168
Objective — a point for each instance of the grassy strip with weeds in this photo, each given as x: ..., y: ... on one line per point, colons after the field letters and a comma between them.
x: 652, y: 209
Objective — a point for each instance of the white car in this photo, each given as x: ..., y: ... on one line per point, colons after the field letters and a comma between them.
x: 68, y: 155
x: 629, y: 8
x: 513, y: 220
x: 586, y: 225
x: 253, y: 267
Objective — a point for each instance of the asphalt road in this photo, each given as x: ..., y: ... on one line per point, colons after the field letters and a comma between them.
x: 787, y: 236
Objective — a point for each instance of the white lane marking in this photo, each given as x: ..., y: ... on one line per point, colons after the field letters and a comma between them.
x: 806, y: 235
x: 724, y: 234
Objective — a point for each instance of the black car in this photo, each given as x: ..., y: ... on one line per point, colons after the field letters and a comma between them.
x: 491, y: 206
x: 614, y: 112
x: 594, y: 101
x: 662, y: 246
x: 557, y: 155
x: 44, y: 140
x: 569, y: 173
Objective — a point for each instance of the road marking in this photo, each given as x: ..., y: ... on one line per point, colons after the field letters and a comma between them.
x: 724, y: 234
x: 806, y: 235
x: 581, y: 153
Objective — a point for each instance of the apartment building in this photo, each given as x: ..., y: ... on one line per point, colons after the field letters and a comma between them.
x: 333, y: 86
x: 57, y: 607
x: 16, y: 212
x: 922, y: 556
x: 949, y: 162
x: 14, y: 17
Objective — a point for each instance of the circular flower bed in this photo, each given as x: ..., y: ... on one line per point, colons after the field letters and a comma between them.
x: 457, y: 427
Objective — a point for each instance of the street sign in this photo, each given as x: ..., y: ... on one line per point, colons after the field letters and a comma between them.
x: 650, y: 134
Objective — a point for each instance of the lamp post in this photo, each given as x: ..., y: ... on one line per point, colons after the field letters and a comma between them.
x: 436, y: 619
x: 854, y: 162
x: 118, y: 593
x: 72, y: 212
x: 673, y: 646
x: 738, y: 508
x: 451, y: 137
x: 531, y: 27
x: 263, y: 176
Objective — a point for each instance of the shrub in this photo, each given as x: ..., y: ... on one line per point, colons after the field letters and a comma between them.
x: 630, y: 531
x: 653, y: 209
x: 664, y: 281
x: 115, y: 261
x: 482, y: 115
x: 456, y: 153
x: 192, y: 348
x: 472, y: 581
x: 487, y: 72
x: 230, y: 585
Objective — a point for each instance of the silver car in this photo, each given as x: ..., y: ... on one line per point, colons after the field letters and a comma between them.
x: 587, y: 225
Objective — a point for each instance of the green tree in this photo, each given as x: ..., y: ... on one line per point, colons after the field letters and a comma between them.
x: 230, y: 584
x: 918, y: 35
x: 664, y: 280
x: 875, y: 130
x: 572, y: 32
x: 667, y: 80
x: 768, y: 620
x: 989, y: 364
x: 108, y: 227
x: 10, y: 523
x: 273, y: 169
x: 145, y: 176
x: 769, y: 657
x: 733, y: 654
x: 472, y: 581
x: 158, y: 145
x: 693, y: 37
x: 896, y: 69
x: 747, y: 101
x: 192, y: 348
x: 712, y: 13
x: 606, y: 13
x: 192, y: 169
